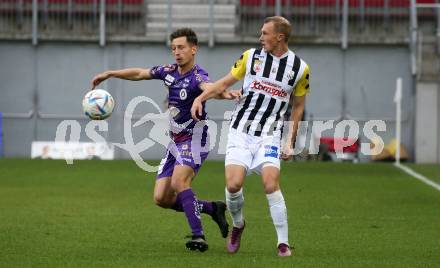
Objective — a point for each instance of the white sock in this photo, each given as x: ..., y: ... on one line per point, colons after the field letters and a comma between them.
x: 278, y: 211
x: 234, y: 202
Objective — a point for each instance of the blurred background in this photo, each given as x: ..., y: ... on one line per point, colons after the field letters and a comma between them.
x: 356, y: 49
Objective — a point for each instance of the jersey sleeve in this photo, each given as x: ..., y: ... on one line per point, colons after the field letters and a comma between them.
x: 238, y: 71
x: 157, y: 72
x: 201, y: 78
x: 160, y: 71
x: 303, y: 85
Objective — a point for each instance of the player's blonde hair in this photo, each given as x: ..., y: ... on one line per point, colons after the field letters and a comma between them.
x: 281, y: 25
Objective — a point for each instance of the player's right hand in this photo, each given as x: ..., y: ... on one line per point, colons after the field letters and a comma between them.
x: 233, y: 95
x: 196, y: 109
x: 98, y: 79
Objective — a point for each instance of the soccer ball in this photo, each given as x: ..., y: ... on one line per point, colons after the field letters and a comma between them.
x: 98, y: 104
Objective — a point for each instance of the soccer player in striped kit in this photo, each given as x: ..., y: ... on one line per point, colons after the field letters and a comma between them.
x: 273, y: 76
x: 179, y: 166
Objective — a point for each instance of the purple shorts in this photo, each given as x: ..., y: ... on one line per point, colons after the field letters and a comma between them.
x: 180, y: 154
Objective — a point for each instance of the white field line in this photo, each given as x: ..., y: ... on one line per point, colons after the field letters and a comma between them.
x: 418, y: 176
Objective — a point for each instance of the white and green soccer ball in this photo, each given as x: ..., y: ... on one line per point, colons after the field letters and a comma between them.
x: 98, y: 104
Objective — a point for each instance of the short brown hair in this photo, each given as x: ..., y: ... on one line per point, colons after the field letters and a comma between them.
x: 190, y: 35
x: 281, y: 25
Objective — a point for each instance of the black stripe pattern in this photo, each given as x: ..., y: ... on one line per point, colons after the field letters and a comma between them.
x: 295, y: 69
x: 254, y: 112
x: 243, y: 109
x: 267, y: 65
x: 254, y: 57
x: 281, y: 69
x: 275, y: 123
x: 266, y: 115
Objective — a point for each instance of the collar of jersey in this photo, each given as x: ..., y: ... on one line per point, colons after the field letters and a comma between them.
x: 187, y: 73
x: 282, y: 56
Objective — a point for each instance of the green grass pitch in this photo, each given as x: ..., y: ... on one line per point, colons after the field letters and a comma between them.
x: 101, y: 214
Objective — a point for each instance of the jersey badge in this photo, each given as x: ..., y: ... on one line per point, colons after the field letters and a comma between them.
x: 257, y: 65
x: 183, y: 94
x: 290, y: 75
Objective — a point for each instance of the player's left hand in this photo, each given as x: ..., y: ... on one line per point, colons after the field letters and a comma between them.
x: 196, y: 109
x: 286, y: 152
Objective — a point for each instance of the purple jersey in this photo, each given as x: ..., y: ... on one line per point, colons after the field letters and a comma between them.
x: 182, y: 90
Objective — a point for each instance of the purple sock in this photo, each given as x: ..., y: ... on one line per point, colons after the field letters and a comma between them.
x: 204, y: 206
x: 177, y: 206
x: 191, y: 209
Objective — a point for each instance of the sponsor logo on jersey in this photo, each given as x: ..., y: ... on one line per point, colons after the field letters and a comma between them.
x: 270, y: 151
x: 168, y: 80
x: 182, y: 84
x: 270, y: 88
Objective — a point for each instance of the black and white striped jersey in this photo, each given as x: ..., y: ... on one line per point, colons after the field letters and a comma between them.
x: 268, y: 84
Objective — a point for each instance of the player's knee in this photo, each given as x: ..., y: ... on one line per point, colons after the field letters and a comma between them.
x: 233, y: 186
x: 160, y: 201
x: 271, y: 182
x: 271, y: 186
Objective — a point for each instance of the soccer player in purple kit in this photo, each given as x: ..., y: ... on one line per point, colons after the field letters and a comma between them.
x: 180, y: 165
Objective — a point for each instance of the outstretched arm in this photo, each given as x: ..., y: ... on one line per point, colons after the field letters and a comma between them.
x: 212, y: 90
x: 230, y: 95
x: 134, y: 74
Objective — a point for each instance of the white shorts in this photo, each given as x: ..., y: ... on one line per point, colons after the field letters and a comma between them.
x: 253, y: 153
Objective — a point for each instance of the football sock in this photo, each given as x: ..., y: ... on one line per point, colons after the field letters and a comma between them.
x: 278, y: 212
x: 177, y: 206
x: 234, y: 202
x: 191, y: 209
x: 204, y: 206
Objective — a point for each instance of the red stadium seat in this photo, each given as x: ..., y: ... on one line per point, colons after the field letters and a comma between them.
x: 12, y: 7
x: 352, y: 3
x: 372, y: 7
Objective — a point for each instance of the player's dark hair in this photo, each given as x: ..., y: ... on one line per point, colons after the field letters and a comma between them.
x: 190, y: 35
x: 281, y: 25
